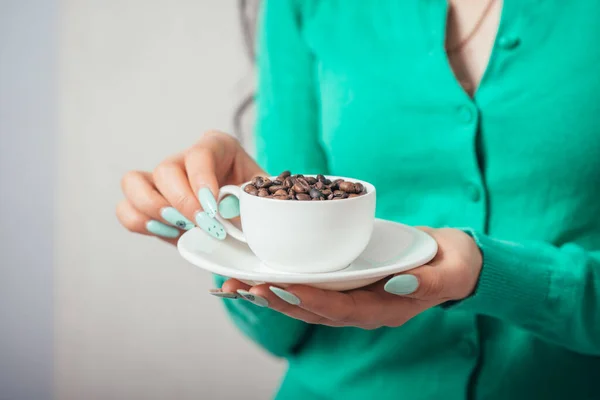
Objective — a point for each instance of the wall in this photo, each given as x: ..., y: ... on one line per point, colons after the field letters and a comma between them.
x: 27, y: 143
x: 139, y: 81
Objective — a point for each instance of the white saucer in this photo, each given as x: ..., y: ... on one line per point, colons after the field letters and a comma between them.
x: 393, y: 248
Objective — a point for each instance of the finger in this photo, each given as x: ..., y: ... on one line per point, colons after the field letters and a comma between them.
x: 356, y: 307
x: 273, y: 301
x: 428, y: 283
x: 291, y: 310
x: 172, y: 182
x: 135, y: 221
x: 139, y: 189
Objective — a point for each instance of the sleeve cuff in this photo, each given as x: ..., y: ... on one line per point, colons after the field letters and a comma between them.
x: 514, y: 282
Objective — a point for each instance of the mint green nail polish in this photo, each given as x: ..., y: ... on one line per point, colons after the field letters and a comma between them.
x: 160, y: 229
x: 174, y: 217
x: 208, y: 202
x: 210, y: 226
x: 402, y: 284
x: 285, y: 295
x: 254, y: 299
x: 229, y: 207
x: 224, y: 295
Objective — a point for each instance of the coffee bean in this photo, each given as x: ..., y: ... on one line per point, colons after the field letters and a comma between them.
x: 301, y: 186
x: 288, y: 183
x: 347, y: 187
x: 251, y: 189
x: 315, y: 193
x: 298, y: 187
x: 273, y: 189
x: 282, y: 176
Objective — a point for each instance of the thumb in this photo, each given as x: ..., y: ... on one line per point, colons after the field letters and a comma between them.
x: 424, y: 283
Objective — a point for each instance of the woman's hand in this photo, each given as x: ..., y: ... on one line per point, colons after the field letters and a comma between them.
x: 451, y: 275
x: 182, y: 189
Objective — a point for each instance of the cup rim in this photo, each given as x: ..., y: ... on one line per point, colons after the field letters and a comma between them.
x: 370, y: 190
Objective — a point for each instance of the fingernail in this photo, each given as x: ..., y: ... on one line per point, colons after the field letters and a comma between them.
x: 208, y: 202
x: 285, y: 295
x: 229, y: 207
x: 210, y: 226
x: 160, y: 229
x: 252, y: 298
x: 174, y: 217
x: 224, y: 295
x: 402, y: 284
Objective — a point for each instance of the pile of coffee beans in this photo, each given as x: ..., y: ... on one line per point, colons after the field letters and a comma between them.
x: 299, y: 187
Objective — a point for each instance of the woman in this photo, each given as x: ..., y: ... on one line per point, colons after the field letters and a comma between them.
x: 483, y: 116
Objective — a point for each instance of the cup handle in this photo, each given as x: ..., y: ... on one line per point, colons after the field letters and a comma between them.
x: 231, y: 229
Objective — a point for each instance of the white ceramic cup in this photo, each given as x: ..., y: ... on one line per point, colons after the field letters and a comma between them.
x: 304, y: 236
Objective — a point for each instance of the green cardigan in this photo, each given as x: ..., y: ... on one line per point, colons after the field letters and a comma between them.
x: 364, y: 89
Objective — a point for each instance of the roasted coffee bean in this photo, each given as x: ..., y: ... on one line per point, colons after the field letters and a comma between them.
x: 301, y: 186
x: 288, y: 183
x: 251, y: 189
x: 273, y: 189
x: 315, y: 193
x: 347, y: 187
x: 298, y: 187
x: 261, y: 182
x: 282, y: 176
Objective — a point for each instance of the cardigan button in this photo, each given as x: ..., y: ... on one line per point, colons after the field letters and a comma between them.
x: 474, y: 193
x: 468, y: 348
x: 508, y: 42
x: 466, y: 114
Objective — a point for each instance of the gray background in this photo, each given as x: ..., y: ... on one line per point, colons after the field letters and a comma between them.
x: 111, y: 86
x: 28, y: 45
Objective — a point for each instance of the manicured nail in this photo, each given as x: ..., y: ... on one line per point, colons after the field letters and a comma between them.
x: 210, y: 226
x: 285, y: 295
x: 172, y: 216
x: 402, y: 284
x: 160, y: 229
x: 224, y: 295
x: 208, y: 202
x: 229, y: 207
x: 252, y: 298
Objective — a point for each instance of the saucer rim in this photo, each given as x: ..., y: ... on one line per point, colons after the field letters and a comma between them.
x: 325, y: 277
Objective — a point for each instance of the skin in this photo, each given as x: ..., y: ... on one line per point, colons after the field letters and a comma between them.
x: 217, y: 159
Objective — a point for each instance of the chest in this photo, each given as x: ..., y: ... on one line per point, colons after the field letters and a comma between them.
x: 391, y: 106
